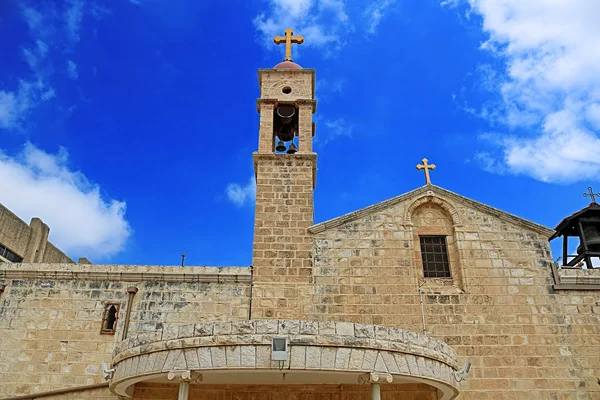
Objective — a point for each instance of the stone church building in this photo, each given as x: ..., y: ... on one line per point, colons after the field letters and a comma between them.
x: 425, y: 296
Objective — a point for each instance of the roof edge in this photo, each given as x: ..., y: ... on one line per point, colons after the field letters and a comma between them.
x: 335, y: 222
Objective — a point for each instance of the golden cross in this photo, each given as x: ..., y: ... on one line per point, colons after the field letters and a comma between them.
x: 288, y: 39
x: 426, y: 167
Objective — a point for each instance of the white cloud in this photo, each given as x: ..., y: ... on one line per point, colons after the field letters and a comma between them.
x: 15, y: 105
x: 550, y: 88
x: 242, y: 194
x: 72, y: 70
x: 82, y: 222
x: 323, y: 23
x: 375, y: 13
x: 73, y: 16
x: 331, y: 129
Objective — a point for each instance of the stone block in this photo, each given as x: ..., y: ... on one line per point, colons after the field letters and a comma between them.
x: 161, y: 358
x: 380, y: 364
x: 289, y: 327
x: 342, y: 359
x: 328, y: 355
x: 309, y: 328
x: 313, y: 357
x: 263, y: 356
x: 369, y: 359
x: 170, y: 332
x: 191, y: 358
x: 344, y: 328
x: 326, y: 328
x: 242, y: 327
x: 356, y: 359
x: 390, y: 362
x: 204, y: 357
x: 298, y: 357
x: 267, y: 327
x: 203, y: 329
x: 186, y: 331
x: 222, y: 328
x: 364, y: 331
x: 218, y: 358
x: 248, y: 355
x: 234, y: 356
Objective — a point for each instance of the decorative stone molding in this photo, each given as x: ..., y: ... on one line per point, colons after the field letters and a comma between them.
x: 422, y: 191
x: 301, y: 80
x: 124, y: 273
x: 185, y: 375
x: 375, y: 377
x: 430, y: 197
x: 307, y: 102
x: 244, y: 346
x: 575, y: 278
x: 260, y: 102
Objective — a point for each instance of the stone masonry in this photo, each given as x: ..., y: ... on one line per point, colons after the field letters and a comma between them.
x: 350, y: 294
x: 30, y: 242
x: 51, y: 314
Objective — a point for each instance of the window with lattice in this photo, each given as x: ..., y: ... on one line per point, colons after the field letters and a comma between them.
x: 434, y: 252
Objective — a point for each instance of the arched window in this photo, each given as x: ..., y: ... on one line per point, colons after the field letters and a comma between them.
x: 109, y: 319
x: 436, y: 255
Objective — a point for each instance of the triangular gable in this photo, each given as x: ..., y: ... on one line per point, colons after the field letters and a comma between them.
x: 335, y: 222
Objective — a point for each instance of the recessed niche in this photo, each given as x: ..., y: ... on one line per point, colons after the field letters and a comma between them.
x: 286, y: 90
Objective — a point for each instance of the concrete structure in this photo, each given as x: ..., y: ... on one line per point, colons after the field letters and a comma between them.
x: 351, y: 301
x: 20, y: 242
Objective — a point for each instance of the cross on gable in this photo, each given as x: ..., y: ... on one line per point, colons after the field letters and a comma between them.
x: 426, y: 167
x: 591, y: 194
x: 288, y: 39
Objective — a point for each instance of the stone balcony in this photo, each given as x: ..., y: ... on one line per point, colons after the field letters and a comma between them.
x: 239, y: 352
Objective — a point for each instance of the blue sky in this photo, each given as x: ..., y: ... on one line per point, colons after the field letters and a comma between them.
x: 128, y: 126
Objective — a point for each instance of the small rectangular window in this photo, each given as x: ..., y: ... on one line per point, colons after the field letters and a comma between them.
x: 435, y: 257
x: 110, y: 318
x: 9, y: 255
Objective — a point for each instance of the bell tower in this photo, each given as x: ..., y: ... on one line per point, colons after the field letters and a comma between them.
x: 285, y: 167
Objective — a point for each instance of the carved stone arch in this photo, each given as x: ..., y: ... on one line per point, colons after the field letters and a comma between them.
x: 433, y: 199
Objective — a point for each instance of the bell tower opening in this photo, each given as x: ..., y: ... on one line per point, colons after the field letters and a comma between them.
x: 582, y: 228
x: 285, y: 124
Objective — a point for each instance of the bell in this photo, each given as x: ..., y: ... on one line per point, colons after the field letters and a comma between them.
x: 292, y: 149
x: 591, y: 235
x: 285, y: 133
x: 280, y: 146
x: 286, y: 112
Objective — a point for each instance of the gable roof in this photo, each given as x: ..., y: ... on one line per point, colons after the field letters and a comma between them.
x: 335, y: 222
x: 567, y: 223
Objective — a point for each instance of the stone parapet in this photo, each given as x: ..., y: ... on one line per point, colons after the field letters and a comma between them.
x: 338, y: 347
x: 125, y: 273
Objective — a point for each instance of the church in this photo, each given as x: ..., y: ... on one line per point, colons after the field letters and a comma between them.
x: 425, y: 296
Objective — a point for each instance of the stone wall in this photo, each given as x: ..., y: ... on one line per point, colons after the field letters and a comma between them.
x: 14, y: 232
x: 282, y: 253
x: 150, y: 391
x: 53, y: 255
x: 51, y: 315
x: 30, y: 242
x: 500, y: 311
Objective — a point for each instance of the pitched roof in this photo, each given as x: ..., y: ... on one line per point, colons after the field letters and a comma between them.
x: 593, y: 208
x: 341, y: 220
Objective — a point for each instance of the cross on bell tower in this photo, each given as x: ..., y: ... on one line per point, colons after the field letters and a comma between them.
x: 288, y: 39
